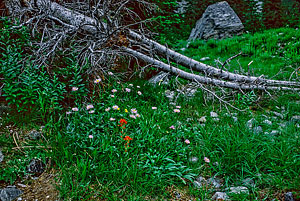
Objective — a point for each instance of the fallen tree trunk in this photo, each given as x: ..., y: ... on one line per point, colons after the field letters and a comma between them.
x: 218, y: 77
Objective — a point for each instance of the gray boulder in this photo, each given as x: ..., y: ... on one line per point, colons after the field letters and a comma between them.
x: 218, y: 21
x: 9, y: 193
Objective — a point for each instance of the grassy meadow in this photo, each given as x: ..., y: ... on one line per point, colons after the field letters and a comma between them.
x: 116, y: 140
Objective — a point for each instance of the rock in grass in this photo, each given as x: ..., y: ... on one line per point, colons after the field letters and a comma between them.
x: 202, y: 120
x: 216, y: 183
x: 250, y: 123
x: 257, y: 130
x: 238, y: 190
x: 1, y: 157
x: 288, y: 196
x: 35, y: 135
x: 36, y: 166
x: 213, y: 114
x: 9, y: 194
x: 295, y: 118
x: 220, y: 196
x: 248, y: 182
x: 268, y: 122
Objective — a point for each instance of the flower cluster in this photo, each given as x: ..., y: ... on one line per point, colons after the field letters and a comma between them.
x: 122, y: 124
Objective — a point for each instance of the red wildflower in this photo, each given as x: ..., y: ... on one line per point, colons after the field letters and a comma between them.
x: 127, y: 138
x: 122, y: 122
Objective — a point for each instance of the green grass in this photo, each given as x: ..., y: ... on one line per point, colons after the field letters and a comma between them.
x: 158, y: 158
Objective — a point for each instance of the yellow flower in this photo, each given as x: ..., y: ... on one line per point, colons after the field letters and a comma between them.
x: 126, y: 110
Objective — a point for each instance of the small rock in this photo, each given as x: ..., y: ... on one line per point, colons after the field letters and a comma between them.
x: 216, y: 183
x: 9, y: 194
x: 36, y: 166
x: 248, y: 182
x: 288, y: 196
x: 220, y: 196
x: 250, y: 123
x: 202, y: 119
x: 257, y: 129
x: 216, y: 119
x: 1, y: 157
x: 213, y: 114
x: 235, y: 119
x: 193, y: 159
x: 239, y: 190
x: 204, y: 59
x: 295, y: 118
x: 278, y: 114
x: 197, y: 184
x: 274, y: 132
x: 35, y: 135
x: 177, y: 194
x: 268, y: 122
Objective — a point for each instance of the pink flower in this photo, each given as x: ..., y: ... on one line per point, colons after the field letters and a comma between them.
x: 172, y: 127
x: 110, y: 73
x: 92, y: 111
x: 178, y: 107
x: 97, y: 80
x: 75, y: 109
x: 107, y: 109
x: 206, y: 160
x: 132, y: 116
x: 74, y: 88
x: 112, y: 96
x: 131, y: 85
x: 154, y: 108
x: 133, y: 110
x: 112, y: 119
x: 139, y: 93
x: 176, y: 110
x: 114, y: 90
x: 138, y: 87
x: 115, y: 107
x: 91, y: 137
x: 137, y: 115
x: 187, y: 141
x: 89, y: 107
x: 127, y: 89
x: 68, y: 112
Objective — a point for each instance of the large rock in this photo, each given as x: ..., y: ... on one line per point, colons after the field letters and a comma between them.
x: 218, y: 21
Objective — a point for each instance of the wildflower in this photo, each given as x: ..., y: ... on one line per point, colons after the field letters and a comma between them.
x: 126, y: 110
x: 91, y: 137
x: 127, y: 90
x: 112, y: 119
x: 89, y: 107
x: 206, y: 160
x: 110, y: 73
x: 132, y: 116
x: 112, y: 96
x: 107, y: 109
x: 137, y: 115
x: 68, y: 112
x: 97, y: 80
x: 138, y: 87
x: 172, y: 127
x: 176, y: 110
x: 92, y: 111
x: 122, y: 121
x: 131, y: 85
x: 154, y: 108
x: 178, y: 107
x: 127, y: 138
x: 115, y: 107
x: 187, y: 141
x: 74, y: 88
x: 75, y: 109
x: 133, y: 110
x: 114, y: 90
x: 139, y: 93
